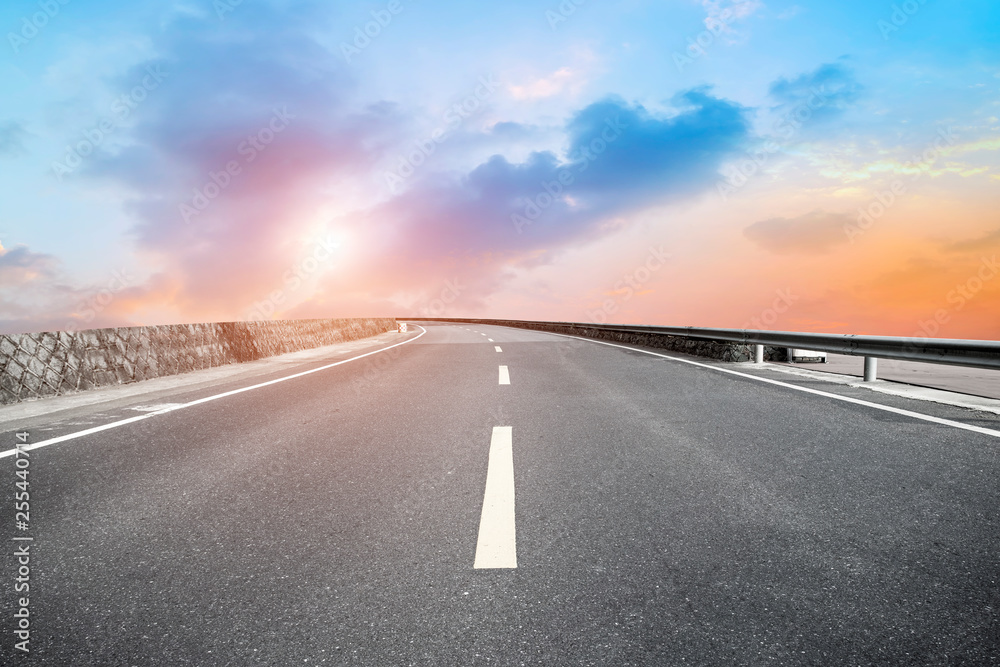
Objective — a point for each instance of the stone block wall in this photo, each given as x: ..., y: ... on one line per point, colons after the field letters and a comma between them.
x: 34, y: 365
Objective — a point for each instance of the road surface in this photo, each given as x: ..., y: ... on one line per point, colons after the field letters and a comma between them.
x: 488, y: 496
x: 960, y: 379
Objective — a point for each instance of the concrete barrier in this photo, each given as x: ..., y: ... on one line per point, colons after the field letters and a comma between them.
x: 34, y: 365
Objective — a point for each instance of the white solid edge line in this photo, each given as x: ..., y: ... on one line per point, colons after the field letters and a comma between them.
x: 172, y: 408
x: 498, y: 348
x: 817, y: 392
x: 496, y: 546
x: 504, y: 375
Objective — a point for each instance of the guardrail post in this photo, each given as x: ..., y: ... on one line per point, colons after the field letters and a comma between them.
x: 758, y: 354
x: 871, y: 369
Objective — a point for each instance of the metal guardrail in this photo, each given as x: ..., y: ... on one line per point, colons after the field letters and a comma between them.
x: 952, y: 352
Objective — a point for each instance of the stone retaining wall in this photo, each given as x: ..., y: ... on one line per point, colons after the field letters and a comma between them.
x: 34, y: 365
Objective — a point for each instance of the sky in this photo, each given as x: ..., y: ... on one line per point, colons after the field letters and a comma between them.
x: 759, y: 164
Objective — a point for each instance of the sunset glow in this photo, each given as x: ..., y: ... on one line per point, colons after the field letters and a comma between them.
x: 803, y: 166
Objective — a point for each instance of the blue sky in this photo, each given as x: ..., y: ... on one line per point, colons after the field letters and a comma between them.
x: 750, y: 136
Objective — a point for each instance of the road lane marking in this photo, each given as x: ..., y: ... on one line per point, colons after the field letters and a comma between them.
x: 482, y: 334
x: 490, y: 339
x: 181, y: 406
x: 807, y: 390
x: 497, y: 544
x: 159, y: 407
x: 497, y: 347
x: 504, y: 375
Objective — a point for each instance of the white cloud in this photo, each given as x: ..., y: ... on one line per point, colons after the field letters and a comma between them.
x: 559, y: 81
x: 721, y: 14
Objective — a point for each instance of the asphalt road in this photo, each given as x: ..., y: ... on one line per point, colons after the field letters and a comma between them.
x: 666, y: 514
x: 960, y: 379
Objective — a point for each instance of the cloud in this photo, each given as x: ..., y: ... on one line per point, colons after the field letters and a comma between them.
x: 510, y: 131
x: 720, y: 14
x: 20, y: 266
x: 828, y: 91
x: 657, y: 155
x: 736, y: 8
x: 984, y: 242
x: 501, y: 215
x: 809, y: 234
x: 445, y: 226
x: 274, y: 103
x: 12, y: 138
x: 554, y: 84
x: 36, y: 295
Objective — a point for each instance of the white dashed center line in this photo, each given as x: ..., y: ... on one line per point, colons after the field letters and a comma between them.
x: 497, y: 347
x: 504, y: 375
x: 497, y: 543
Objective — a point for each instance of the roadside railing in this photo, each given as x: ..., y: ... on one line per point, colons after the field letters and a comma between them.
x: 952, y: 352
